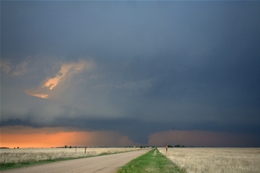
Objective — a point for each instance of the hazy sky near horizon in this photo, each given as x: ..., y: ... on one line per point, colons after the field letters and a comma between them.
x: 135, y: 68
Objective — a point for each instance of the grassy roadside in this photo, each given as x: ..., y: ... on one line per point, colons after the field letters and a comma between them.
x: 152, y: 162
x: 5, y: 166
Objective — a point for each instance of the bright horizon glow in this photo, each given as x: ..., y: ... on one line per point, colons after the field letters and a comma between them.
x: 47, y: 137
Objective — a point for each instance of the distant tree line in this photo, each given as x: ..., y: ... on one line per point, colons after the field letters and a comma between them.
x: 176, y: 146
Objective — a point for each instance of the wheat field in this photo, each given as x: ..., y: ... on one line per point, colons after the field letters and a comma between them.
x: 27, y: 155
x: 215, y: 160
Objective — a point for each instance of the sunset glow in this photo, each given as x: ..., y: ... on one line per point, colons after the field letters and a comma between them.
x: 25, y: 137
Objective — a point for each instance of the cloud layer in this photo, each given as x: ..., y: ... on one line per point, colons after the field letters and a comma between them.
x: 137, y: 68
x: 203, y: 139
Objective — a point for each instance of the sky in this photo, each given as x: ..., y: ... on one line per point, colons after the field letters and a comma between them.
x: 124, y: 73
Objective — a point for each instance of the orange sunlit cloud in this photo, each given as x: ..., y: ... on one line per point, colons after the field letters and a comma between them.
x: 200, y: 138
x: 43, y: 96
x: 24, y: 137
x: 66, y: 71
x: 64, y: 75
x: 51, y: 83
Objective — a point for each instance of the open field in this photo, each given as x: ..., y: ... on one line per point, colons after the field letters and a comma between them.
x: 32, y: 155
x: 215, y: 160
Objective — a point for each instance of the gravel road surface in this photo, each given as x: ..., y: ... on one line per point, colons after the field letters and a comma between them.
x: 98, y: 164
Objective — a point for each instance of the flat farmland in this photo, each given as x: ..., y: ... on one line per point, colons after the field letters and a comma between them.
x: 31, y: 155
x: 215, y: 160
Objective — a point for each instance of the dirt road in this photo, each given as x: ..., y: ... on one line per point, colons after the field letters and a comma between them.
x: 99, y: 164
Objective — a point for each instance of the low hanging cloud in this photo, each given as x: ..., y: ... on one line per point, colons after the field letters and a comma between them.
x: 200, y: 138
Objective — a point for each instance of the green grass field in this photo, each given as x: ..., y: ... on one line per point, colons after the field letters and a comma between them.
x: 152, y: 162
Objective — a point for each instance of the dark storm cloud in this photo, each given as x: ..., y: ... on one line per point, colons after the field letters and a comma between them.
x: 148, y: 65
